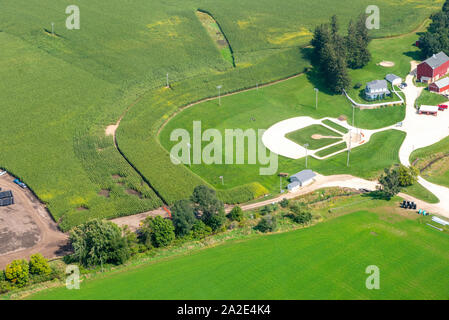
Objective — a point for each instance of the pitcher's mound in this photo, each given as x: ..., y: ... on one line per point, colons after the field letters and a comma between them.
x: 386, y: 64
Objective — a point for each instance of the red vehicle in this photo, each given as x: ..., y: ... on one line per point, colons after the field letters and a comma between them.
x: 442, y: 107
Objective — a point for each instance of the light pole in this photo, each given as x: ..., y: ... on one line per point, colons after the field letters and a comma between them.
x: 316, y: 98
x: 306, y: 146
x: 222, y: 180
x: 52, y: 28
x: 168, y: 84
x: 219, y: 94
x: 349, y: 150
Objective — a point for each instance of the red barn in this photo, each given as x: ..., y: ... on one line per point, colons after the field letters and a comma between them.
x: 440, y: 86
x: 433, y: 68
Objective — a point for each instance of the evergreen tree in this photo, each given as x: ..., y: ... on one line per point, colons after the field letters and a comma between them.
x: 436, y: 38
x: 357, y: 42
x: 183, y: 217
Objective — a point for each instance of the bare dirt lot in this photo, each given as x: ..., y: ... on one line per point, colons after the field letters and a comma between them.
x: 27, y: 228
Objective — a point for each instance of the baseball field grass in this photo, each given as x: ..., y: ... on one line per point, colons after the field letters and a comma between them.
x: 305, y: 136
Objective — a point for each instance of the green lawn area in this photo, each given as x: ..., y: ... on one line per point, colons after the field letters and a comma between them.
x: 332, y: 149
x: 326, y: 261
x: 418, y: 191
x: 259, y: 109
x: 438, y: 171
x: 335, y: 126
x: 304, y: 136
x: 430, y: 99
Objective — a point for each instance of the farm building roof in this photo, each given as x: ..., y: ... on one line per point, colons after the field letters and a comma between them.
x: 5, y: 194
x: 437, y: 60
x: 377, y: 84
x: 442, y: 83
x: 303, y: 176
x: 425, y: 108
x: 293, y: 185
x: 391, y: 77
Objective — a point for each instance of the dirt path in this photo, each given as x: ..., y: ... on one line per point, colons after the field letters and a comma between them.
x: 133, y: 222
x: 27, y: 228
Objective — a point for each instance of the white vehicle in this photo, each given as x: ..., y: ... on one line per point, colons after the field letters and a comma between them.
x: 2, y: 173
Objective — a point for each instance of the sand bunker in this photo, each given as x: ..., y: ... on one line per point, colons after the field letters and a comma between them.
x: 386, y: 64
x: 110, y: 130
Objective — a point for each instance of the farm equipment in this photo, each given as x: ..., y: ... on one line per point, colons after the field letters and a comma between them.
x: 423, y: 212
x: 20, y: 183
x: 408, y: 205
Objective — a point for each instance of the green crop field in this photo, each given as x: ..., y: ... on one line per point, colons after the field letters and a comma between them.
x: 326, y: 261
x: 61, y: 92
x: 304, y: 136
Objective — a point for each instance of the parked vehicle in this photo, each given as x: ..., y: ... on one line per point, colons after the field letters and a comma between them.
x: 442, y: 107
x: 20, y: 183
x: 2, y: 173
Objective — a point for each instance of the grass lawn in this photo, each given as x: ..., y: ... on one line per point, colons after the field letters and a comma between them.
x: 430, y: 99
x: 326, y: 261
x: 304, y: 136
x: 418, y: 191
x: 434, y: 162
x: 332, y: 149
x: 335, y: 126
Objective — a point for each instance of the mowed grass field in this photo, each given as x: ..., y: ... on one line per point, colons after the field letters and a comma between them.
x: 434, y: 162
x: 326, y: 261
x: 61, y: 92
x: 259, y: 109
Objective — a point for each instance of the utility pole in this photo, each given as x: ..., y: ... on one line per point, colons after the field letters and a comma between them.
x: 219, y: 94
x: 280, y: 184
x: 316, y: 98
x: 222, y: 180
x: 52, y: 28
x: 306, y: 146
x: 168, y: 84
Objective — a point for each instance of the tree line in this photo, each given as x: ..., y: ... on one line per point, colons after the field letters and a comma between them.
x: 436, y: 39
x: 333, y: 53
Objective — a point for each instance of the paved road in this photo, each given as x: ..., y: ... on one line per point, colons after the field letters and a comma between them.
x: 423, y: 131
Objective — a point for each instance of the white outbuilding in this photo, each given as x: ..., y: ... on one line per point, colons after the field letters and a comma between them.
x: 393, y: 79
